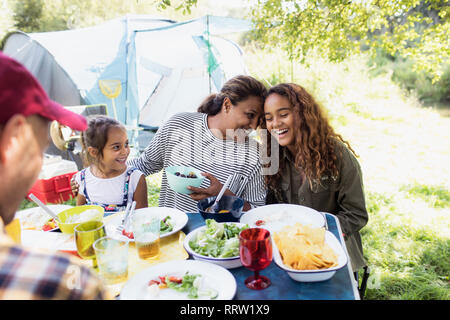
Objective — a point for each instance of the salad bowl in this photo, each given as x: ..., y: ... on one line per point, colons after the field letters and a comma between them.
x: 216, y: 243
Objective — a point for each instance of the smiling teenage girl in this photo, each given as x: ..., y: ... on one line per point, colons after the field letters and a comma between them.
x: 108, y: 181
x: 317, y: 167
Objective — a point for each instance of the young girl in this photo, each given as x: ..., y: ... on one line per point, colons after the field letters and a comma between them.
x: 108, y: 181
x: 317, y: 167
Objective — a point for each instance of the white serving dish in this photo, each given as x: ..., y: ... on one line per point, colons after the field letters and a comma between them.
x: 314, y: 275
x: 228, y: 263
x: 277, y: 216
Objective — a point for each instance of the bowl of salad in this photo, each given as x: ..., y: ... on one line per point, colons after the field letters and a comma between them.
x: 216, y: 242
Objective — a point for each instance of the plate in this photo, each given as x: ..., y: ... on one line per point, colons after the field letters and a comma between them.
x: 276, y: 216
x: 35, y: 218
x: 213, y: 275
x: 179, y: 219
x: 314, y: 275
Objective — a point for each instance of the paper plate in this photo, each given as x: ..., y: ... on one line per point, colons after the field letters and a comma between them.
x: 35, y: 218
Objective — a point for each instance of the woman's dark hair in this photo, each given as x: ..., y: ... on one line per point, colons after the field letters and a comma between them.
x: 96, y: 136
x: 236, y: 89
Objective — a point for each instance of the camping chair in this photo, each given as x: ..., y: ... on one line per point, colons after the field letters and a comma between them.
x: 65, y: 140
x: 363, y: 285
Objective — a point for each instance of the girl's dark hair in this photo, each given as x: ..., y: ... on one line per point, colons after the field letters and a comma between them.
x: 236, y: 89
x: 96, y: 136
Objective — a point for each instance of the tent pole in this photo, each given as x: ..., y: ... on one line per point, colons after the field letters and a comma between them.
x: 209, y: 57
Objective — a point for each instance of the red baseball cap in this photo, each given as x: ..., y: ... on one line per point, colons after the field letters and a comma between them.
x: 21, y: 93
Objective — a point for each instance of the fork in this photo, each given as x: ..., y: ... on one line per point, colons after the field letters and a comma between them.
x: 128, y: 210
x: 325, y: 217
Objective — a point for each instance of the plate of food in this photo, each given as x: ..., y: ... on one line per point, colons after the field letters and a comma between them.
x: 308, y: 254
x: 172, y: 221
x: 273, y: 217
x: 181, y: 280
x: 37, y: 219
x: 216, y: 242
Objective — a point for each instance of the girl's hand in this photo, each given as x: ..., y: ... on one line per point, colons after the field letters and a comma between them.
x: 213, y: 189
x: 74, y: 186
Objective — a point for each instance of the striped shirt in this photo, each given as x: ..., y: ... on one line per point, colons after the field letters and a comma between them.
x: 186, y: 140
x: 31, y: 274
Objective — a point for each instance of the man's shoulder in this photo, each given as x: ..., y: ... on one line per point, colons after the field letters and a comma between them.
x: 39, y: 274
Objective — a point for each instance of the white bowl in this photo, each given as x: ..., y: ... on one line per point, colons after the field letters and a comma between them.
x: 228, y: 263
x: 277, y: 216
x: 314, y: 275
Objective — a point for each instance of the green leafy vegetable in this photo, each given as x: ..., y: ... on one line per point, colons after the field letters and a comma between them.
x: 191, y: 284
x: 166, y: 225
x: 218, y: 240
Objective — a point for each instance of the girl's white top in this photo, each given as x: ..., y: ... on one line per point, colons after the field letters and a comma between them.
x: 110, y: 190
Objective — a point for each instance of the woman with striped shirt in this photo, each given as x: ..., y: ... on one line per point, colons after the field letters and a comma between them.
x: 214, y: 140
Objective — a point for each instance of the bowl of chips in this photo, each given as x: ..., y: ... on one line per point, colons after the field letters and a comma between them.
x: 229, y: 208
x: 308, y: 254
x: 181, y: 177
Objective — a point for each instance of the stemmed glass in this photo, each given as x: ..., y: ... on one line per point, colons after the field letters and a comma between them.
x: 255, y: 248
x: 86, y: 234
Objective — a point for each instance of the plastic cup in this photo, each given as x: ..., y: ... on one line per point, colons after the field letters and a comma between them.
x: 112, y: 259
x: 146, y: 230
x: 86, y: 234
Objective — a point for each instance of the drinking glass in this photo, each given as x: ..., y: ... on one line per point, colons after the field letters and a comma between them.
x: 146, y: 230
x: 112, y: 259
x: 86, y: 234
x: 255, y: 249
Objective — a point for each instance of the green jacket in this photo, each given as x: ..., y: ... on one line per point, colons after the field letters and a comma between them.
x: 342, y: 196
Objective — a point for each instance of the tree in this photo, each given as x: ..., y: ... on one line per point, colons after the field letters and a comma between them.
x: 27, y: 14
x: 184, y: 5
x: 339, y: 28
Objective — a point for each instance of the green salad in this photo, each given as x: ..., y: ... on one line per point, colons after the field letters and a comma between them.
x: 166, y: 225
x: 192, y: 284
x: 218, y: 240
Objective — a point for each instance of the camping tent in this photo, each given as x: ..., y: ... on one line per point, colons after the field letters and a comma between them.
x: 144, y: 69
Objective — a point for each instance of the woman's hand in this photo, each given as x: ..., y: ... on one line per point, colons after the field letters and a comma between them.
x: 213, y: 189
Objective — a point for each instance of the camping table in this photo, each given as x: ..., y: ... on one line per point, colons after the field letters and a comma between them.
x: 342, y: 286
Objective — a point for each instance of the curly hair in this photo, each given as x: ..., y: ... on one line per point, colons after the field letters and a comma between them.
x: 315, y: 139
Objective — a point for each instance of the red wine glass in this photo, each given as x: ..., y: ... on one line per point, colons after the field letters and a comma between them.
x: 255, y: 248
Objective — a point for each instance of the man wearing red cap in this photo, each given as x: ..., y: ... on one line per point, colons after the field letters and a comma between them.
x: 25, y: 116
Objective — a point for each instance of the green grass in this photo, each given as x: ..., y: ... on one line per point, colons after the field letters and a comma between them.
x: 435, y: 196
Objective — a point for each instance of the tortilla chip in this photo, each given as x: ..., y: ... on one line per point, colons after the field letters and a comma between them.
x: 303, y: 248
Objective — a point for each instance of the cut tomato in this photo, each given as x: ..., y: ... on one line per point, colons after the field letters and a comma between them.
x: 129, y: 235
x: 153, y: 282
x: 175, y: 279
x: 260, y: 222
